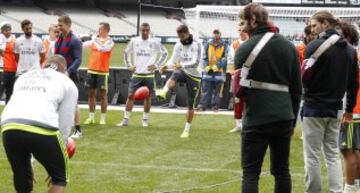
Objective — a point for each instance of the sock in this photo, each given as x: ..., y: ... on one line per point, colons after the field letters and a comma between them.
x: 238, y: 122
x: 357, y: 183
x: 165, y: 89
x: 349, y: 188
x: 103, y: 116
x: 187, y: 127
x: 77, y: 128
x: 91, y: 115
x: 127, y: 115
x: 145, y: 116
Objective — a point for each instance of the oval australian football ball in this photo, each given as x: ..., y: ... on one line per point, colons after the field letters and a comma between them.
x: 142, y: 93
x: 70, y: 147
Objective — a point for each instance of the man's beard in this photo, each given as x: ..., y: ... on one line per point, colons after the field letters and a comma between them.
x: 248, y: 28
x: 28, y: 34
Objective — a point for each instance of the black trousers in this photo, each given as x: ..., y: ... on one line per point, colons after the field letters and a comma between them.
x: 8, y: 84
x: 19, y: 145
x: 255, y: 141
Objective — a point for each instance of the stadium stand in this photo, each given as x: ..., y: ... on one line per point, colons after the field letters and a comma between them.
x: 15, y: 14
x: 123, y: 19
x: 160, y: 24
x: 86, y: 19
x: 290, y: 20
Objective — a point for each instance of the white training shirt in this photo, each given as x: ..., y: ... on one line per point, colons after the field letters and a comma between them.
x: 29, y: 50
x: 2, y: 47
x: 102, y: 45
x: 44, y: 98
x: 144, y: 53
x: 188, y: 56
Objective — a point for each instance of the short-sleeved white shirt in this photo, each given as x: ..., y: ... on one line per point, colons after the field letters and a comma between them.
x: 29, y: 50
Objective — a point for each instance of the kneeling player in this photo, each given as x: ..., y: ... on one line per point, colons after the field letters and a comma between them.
x: 185, y: 59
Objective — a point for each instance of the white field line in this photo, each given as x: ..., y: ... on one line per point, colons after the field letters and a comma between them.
x: 164, y: 168
x: 171, y: 168
x: 234, y: 179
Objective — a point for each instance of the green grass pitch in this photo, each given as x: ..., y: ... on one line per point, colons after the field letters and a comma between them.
x: 154, y: 159
x: 110, y: 159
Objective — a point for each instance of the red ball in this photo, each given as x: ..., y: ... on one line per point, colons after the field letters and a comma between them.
x: 142, y: 93
x: 70, y: 147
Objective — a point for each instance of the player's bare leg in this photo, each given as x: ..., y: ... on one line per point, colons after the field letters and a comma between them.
x: 161, y: 94
x: 56, y: 189
x: 104, y: 105
x: 147, y: 106
x: 128, y: 109
x: 351, y: 168
x: 77, y: 134
x: 92, y: 105
x: 189, y: 118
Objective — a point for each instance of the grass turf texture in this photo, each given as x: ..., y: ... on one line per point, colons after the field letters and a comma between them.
x: 133, y: 159
x: 117, y: 58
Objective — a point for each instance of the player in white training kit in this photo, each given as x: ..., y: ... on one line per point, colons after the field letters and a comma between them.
x: 144, y: 50
x: 36, y: 121
x: 29, y: 50
x: 186, y: 63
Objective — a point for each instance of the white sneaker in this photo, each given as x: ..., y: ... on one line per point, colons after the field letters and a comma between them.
x: 185, y: 134
x: 236, y: 129
x: 102, y: 122
x: 145, y: 123
x: 123, y: 123
x: 357, y: 189
x: 76, y: 135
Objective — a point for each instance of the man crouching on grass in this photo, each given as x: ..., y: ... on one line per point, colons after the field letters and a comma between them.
x: 40, y: 127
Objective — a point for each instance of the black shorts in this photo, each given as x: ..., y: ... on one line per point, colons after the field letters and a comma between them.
x: 138, y: 81
x: 74, y: 77
x: 192, y: 86
x: 349, y: 138
x: 97, y: 81
x: 49, y: 150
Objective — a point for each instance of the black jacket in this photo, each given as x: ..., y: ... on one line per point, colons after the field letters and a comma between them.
x: 278, y: 63
x: 335, y: 72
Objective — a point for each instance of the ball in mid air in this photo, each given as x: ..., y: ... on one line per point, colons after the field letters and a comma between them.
x: 142, y: 93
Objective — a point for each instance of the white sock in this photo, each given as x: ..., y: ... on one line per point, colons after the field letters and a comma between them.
x: 187, y: 127
x: 349, y: 188
x: 165, y: 89
x: 145, y: 116
x: 357, y: 183
x: 91, y: 115
x: 127, y: 114
x: 103, y: 116
x: 238, y: 122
